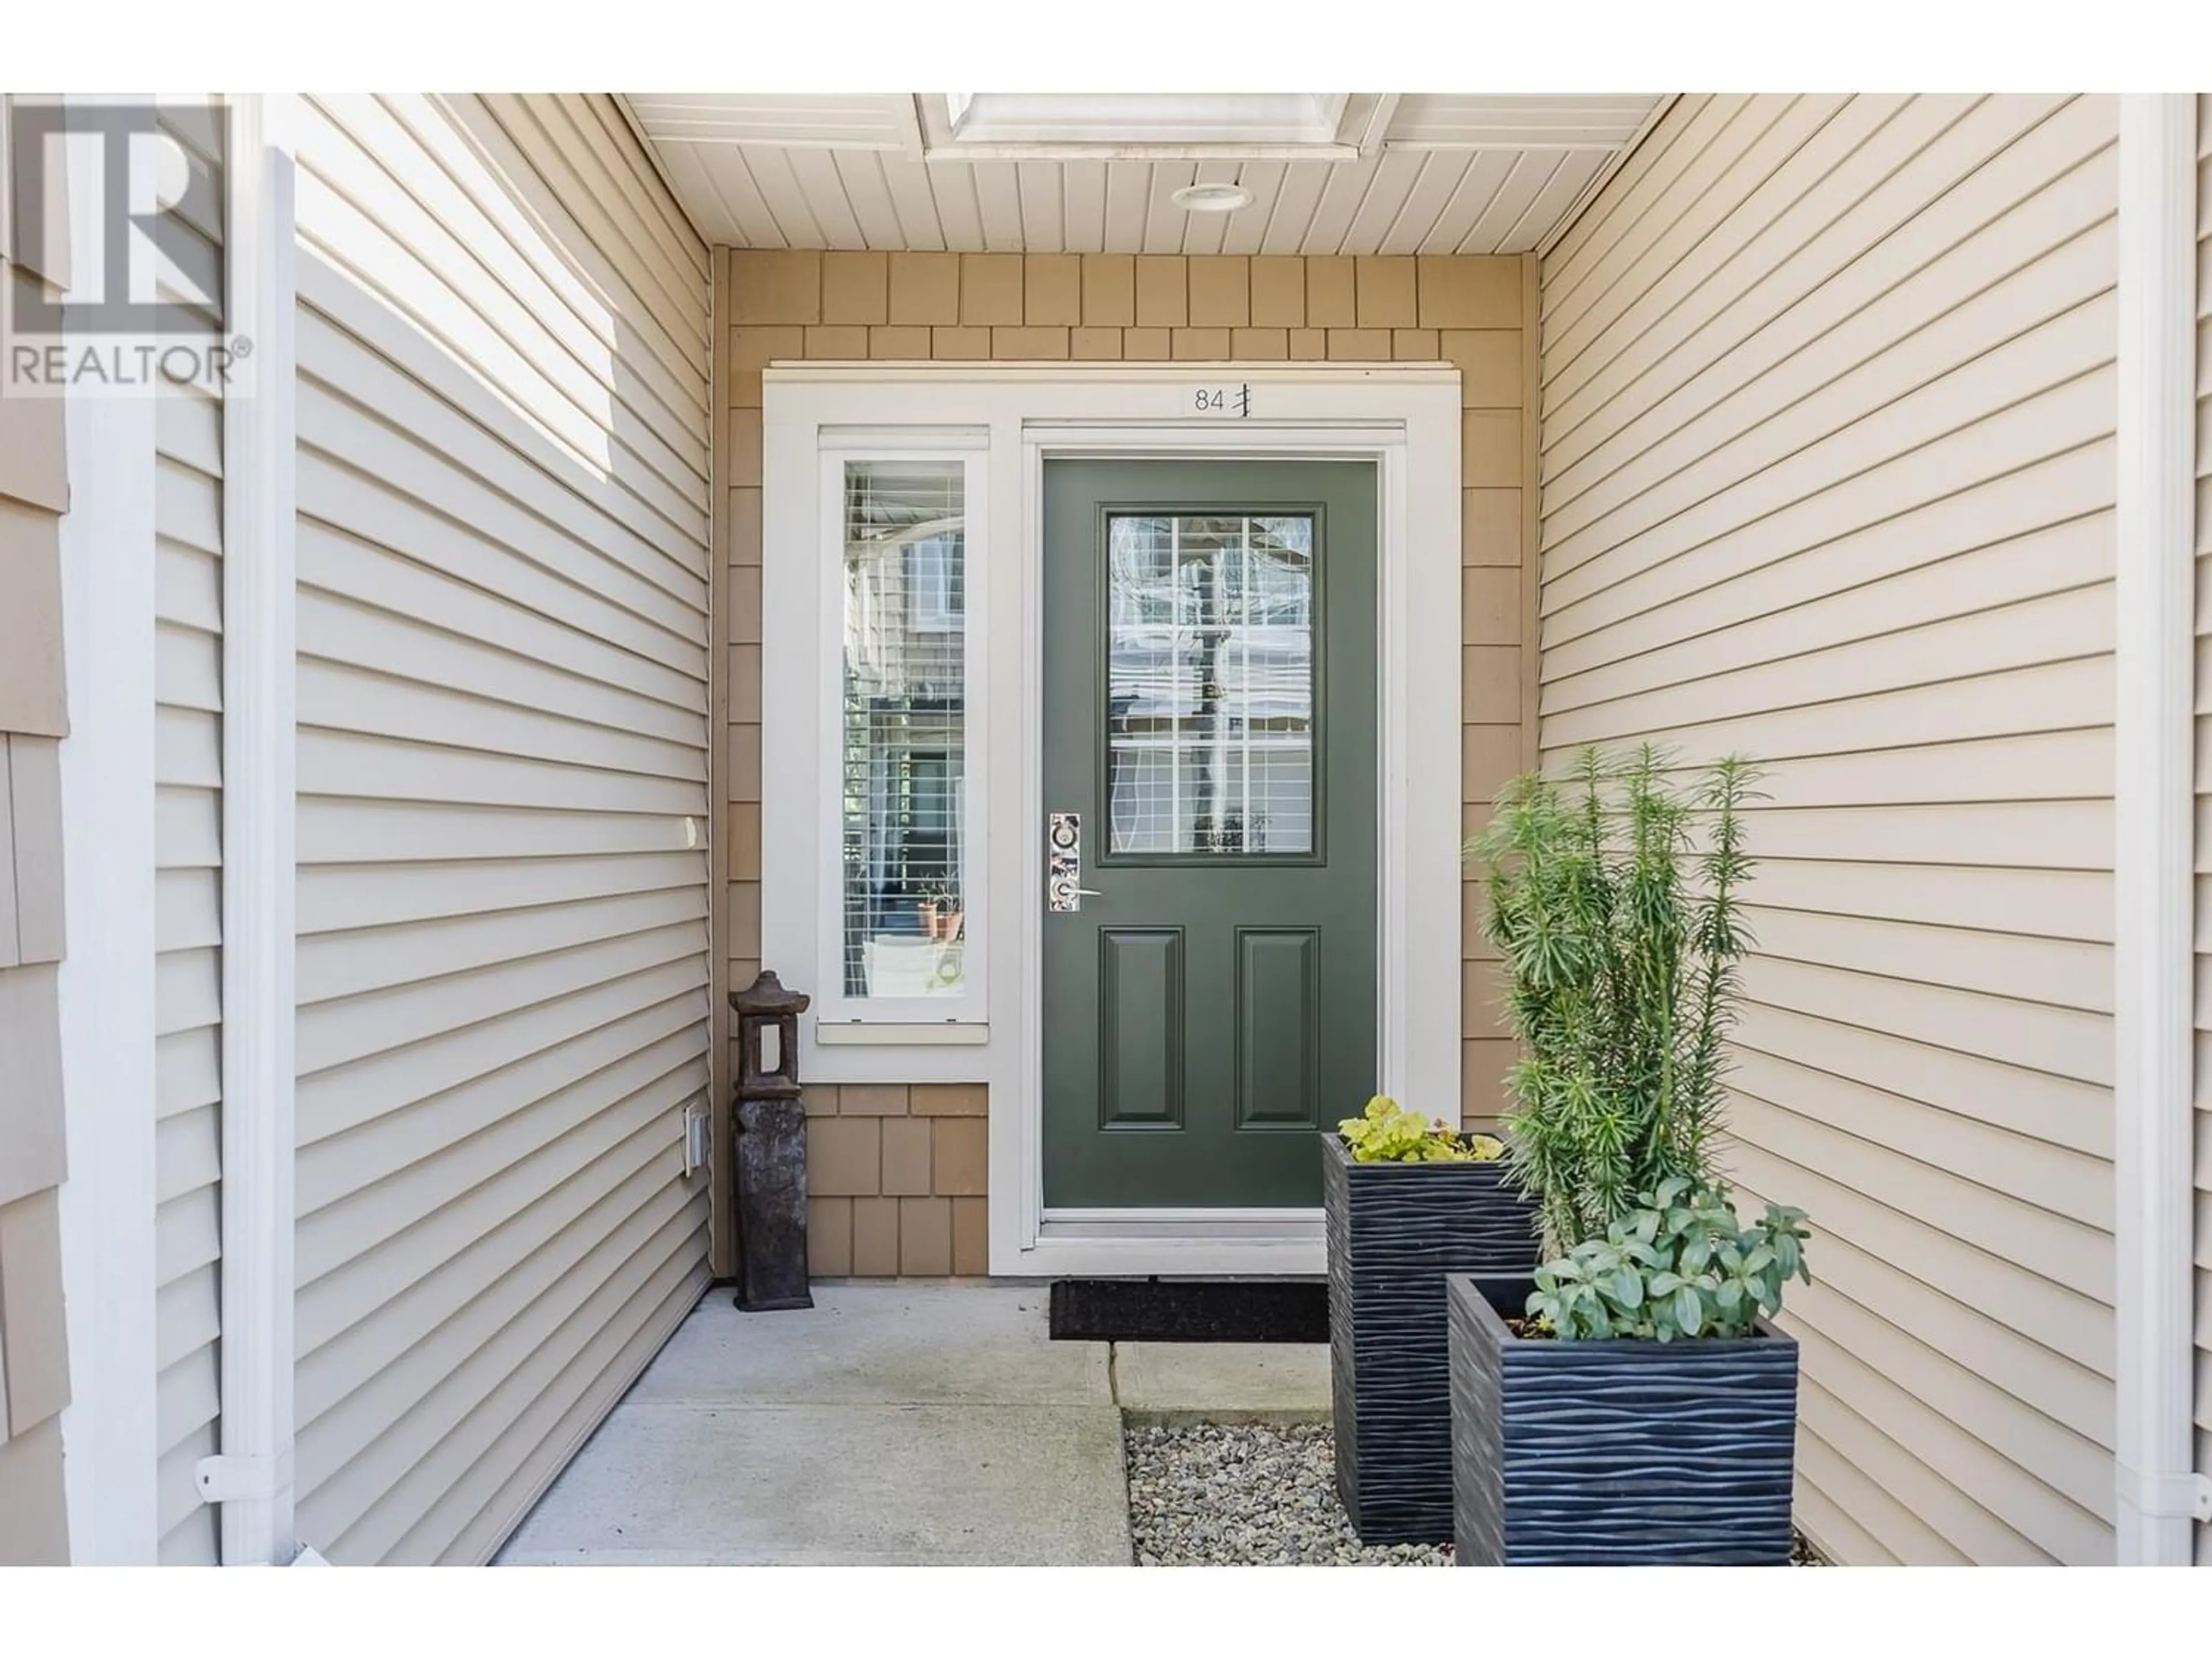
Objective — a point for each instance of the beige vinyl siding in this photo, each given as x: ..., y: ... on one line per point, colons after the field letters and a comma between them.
x: 188, y: 890
x: 503, y: 626
x: 2204, y: 1069
x: 1827, y: 478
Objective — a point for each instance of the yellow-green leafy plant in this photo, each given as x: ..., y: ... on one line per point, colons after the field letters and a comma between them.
x: 1390, y: 1134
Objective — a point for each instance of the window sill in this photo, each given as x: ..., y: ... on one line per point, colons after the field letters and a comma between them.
x: 901, y: 1034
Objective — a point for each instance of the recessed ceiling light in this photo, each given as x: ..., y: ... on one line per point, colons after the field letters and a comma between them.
x: 1212, y: 199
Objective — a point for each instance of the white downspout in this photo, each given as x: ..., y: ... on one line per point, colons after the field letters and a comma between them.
x: 2158, y: 1494
x: 252, y: 1477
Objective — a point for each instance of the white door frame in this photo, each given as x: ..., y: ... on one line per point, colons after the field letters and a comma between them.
x: 1198, y: 1241
x: 1404, y: 418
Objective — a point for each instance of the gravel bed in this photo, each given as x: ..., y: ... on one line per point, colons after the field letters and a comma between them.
x: 1248, y: 1496
x: 1254, y: 1495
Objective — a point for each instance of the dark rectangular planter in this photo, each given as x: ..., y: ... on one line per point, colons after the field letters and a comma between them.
x: 1394, y: 1232
x: 1623, y: 1453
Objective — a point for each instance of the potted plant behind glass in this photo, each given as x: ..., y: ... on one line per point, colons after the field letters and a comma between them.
x: 1628, y: 1401
x: 1404, y: 1203
x: 941, y: 912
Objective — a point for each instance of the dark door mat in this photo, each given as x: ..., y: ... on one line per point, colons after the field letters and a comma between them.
x: 1189, y: 1310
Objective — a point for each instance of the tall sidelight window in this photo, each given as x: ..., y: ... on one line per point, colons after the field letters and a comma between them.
x: 904, y: 805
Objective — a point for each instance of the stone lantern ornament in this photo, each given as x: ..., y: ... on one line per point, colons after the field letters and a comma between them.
x: 771, y: 1151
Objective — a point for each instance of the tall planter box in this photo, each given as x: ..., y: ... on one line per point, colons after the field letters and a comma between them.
x: 1394, y: 1232
x: 1620, y: 1453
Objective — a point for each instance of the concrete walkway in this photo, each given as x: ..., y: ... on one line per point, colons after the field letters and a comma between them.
x: 892, y: 1425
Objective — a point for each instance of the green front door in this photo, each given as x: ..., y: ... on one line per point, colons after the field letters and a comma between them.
x: 1210, y: 776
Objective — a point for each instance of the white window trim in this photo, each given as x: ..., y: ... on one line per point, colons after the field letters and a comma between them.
x: 832, y: 1008
x: 1405, y: 418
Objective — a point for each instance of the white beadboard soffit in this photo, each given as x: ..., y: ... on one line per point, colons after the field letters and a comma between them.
x: 1399, y: 172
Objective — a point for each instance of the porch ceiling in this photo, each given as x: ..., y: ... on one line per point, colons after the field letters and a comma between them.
x: 1329, y: 172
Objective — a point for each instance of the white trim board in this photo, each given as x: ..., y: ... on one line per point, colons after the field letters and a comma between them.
x: 110, y: 1442
x: 1405, y: 418
x: 2157, y: 1494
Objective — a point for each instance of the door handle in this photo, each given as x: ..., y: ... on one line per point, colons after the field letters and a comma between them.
x: 1064, y: 891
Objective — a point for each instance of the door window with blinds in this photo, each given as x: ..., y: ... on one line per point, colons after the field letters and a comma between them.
x: 905, y: 922
x: 1210, y: 686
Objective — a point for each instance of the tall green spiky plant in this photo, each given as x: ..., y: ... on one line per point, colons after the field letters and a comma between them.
x: 1615, y: 900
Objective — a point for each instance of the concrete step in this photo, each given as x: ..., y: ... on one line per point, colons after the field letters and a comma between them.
x: 1172, y: 1383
